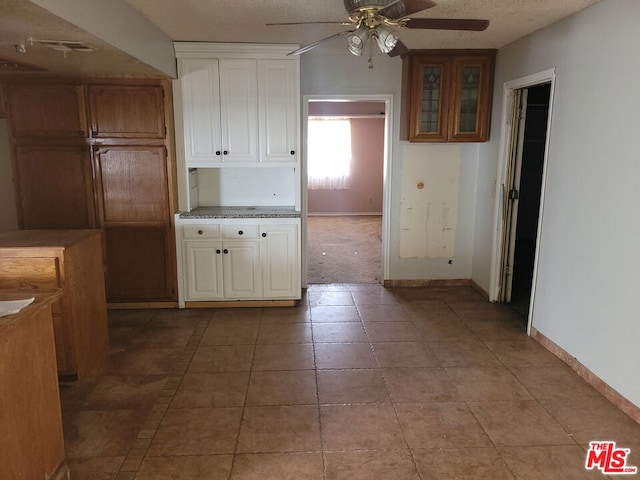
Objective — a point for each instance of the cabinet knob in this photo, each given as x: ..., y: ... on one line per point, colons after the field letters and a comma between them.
x: 264, y: 234
x: 226, y: 152
x: 218, y: 251
x: 225, y: 251
x: 240, y: 232
x: 218, y: 152
x: 200, y: 232
x: 293, y: 152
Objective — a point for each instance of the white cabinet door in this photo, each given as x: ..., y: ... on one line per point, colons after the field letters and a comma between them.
x: 241, y: 260
x: 239, y: 110
x: 280, y: 261
x: 200, y: 84
x: 203, y: 270
x: 278, y: 94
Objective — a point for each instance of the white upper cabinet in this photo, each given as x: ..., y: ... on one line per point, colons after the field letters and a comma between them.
x: 238, y: 107
x: 200, y: 82
x: 239, y: 110
x: 278, y: 93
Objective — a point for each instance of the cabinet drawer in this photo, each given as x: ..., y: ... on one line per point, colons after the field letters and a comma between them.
x: 201, y: 231
x: 239, y: 231
x: 29, y: 272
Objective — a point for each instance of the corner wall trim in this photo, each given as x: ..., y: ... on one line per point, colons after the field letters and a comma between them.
x: 596, y: 382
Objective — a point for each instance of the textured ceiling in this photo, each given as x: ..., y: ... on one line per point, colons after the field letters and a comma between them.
x: 244, y: 21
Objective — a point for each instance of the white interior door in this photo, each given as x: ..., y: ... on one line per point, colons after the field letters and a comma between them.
x: 510, y: 192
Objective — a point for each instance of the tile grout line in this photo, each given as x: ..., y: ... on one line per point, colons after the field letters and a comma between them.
x: 138, y: 450
x: 235, y: 453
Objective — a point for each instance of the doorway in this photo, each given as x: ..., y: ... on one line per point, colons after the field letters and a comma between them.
x: 344, y: 220
x: 520, y: 190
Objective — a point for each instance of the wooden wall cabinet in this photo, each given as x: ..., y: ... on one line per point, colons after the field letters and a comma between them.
x: 54, y: 186
x: 98, y: 154
x: 70, y: 260
x: 447, y: 95
x: 47, y: 111
x: 126, y: 111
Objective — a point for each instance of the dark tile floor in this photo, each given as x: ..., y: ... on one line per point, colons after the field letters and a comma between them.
x: 358, y: 382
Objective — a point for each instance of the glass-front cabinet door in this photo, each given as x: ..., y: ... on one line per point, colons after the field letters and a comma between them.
x: 469, y: 109
x: 430, y: 99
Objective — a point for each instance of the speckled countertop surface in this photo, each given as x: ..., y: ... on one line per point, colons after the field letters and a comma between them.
x: 241, y: 212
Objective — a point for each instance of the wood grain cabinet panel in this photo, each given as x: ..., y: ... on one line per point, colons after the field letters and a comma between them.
x: 47, y: 111
x: 132, y: 184
x: 126, y: 111
x: 138, y: 263
x: 54, y: 187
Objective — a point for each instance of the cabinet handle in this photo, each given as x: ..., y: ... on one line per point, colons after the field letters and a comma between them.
x: 293, y: 152
x: 225, y: 251
x: 200, y: 232
x: 218, y: 251
x: 264, y: 234
x: 226, y: 152
x: 218, y: 152
x: 240, y: 232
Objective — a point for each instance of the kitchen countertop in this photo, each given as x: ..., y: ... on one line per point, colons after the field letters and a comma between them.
x: 241, y: 212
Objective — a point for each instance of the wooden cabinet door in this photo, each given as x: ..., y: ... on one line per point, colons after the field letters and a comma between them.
x: 126, y: 111
x: 203, y: 270
x: 241, y: 267
x: 47, y: 111
x: 430, y: 99
x: 470, y: 99
x: 132, y: 184
x: 239, y: 110
x: 278, y: 106
x: 54, y: 187
x: 137, y: 264
x: 280, y: 261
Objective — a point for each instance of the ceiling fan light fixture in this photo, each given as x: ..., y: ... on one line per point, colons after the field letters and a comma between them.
x: 385, y: 38
x: 358, y: 40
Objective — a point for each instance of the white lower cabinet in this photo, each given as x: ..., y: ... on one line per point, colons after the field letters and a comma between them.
x: 239, y: 261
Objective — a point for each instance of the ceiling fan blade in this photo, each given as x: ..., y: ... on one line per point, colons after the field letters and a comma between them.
x: 404, y: 8
x: 399, y: 50
x: 447, y: 24
x: 306, y: 48
x: 308, y: 23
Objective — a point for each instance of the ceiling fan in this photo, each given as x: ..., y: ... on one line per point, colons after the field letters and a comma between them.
x: 376, y: 19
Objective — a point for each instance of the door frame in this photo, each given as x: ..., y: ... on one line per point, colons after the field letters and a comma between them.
x: 546, y: 76
x: 386, y: 173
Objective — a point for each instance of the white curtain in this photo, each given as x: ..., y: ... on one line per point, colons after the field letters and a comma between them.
x: 329, y: 153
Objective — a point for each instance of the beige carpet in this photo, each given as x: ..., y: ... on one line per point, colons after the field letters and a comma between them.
x: 344, y: 249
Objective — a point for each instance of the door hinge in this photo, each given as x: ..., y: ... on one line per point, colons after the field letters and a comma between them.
x: 514, y: 194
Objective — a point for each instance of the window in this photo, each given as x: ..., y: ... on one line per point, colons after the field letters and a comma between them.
x: 329, y: 153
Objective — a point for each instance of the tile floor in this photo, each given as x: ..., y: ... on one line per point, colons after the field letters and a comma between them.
x: 358, y: 382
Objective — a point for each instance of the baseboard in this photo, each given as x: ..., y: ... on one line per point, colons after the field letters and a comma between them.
x: 450, y: 282
x: 343, y: 214
x: 480, y: 290
x: 140, y: 305
x: 596, y: 382
x: 242, y: 304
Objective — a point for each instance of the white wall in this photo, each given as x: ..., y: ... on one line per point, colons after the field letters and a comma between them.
x: 327, y: 74
x: 8, y: 217
x: 587, y: 286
